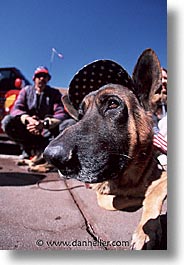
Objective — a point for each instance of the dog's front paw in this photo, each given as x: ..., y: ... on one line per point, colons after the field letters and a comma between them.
x: 104, y: 188
x: 101, y: 188
x: 148, y: 236
x: 139, y: 239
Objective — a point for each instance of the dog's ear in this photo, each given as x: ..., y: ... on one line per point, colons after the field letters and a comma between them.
x: 147, y: 77
x: 69, y: 107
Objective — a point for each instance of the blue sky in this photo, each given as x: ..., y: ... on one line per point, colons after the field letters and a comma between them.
x: 83, y: 31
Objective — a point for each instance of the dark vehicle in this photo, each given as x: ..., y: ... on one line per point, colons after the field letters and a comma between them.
x: 11, y: 81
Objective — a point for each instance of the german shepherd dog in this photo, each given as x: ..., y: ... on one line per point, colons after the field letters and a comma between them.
x: 111, y: 145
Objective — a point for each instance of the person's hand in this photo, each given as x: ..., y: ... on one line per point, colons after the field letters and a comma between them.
x: 34, y: 125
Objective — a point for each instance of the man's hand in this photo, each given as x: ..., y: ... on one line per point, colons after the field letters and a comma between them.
x: 34, y: 125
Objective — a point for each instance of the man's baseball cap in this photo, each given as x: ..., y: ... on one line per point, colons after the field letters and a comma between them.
x: 40, y: 70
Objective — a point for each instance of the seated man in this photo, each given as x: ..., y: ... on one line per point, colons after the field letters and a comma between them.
x: 37, y: 116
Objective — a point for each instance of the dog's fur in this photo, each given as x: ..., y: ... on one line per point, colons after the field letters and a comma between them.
x: 111, y: 146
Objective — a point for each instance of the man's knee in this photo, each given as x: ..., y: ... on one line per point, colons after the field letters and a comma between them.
x: 5, y: 123
x: 12, y: 126
x: 66, y: 123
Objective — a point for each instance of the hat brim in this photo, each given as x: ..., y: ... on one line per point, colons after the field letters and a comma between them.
x: 95, y: 75
x: 42, y: 72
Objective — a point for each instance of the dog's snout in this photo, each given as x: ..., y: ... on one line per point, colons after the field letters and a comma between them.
x: 57, y: 154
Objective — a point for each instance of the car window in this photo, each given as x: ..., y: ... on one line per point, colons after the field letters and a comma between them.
x: 5, y: 74
x: 6, y: 80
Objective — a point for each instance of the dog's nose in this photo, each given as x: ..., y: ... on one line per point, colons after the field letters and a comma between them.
x: 56, y: 154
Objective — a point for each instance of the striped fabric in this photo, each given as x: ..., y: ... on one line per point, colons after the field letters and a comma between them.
x: 160, y: 142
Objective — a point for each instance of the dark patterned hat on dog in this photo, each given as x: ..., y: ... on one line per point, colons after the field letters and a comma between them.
x: 95, y: 75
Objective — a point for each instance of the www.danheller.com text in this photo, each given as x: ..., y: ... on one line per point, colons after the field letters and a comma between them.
x: 83, y: 243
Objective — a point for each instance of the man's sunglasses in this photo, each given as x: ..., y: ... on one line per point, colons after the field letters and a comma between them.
x: 41, y: 75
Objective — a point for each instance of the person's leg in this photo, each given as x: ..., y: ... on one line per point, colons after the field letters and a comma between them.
x: 66, y: 123
x: 17, y: 132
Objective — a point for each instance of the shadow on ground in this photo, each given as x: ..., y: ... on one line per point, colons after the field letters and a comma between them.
x: 19, y: 179
x: 9, y: 149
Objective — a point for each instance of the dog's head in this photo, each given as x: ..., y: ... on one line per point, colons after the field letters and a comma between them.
x: 113, y: 130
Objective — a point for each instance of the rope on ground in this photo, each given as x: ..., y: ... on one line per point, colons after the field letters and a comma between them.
x: 54, y: 180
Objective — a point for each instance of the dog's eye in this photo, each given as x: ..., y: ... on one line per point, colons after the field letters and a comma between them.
x: 113, y: 104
